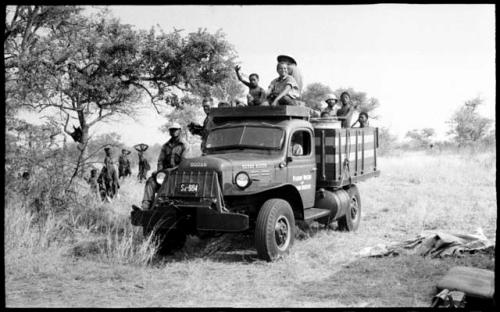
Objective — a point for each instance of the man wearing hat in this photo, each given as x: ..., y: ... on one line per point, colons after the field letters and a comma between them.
x: 292, y: 69
x: 124, y: 164
x: 330, y: 111
x: 171, y: 155
x: 203, y: 131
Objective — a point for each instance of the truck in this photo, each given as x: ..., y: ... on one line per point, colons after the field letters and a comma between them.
x: 252, y: 176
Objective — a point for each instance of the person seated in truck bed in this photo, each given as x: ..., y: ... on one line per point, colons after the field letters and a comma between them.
x: 284, y: 89
x: 346, y: 110
x: 256, y: 94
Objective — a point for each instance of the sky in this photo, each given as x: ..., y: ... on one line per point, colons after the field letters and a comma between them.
x: 420, y: 61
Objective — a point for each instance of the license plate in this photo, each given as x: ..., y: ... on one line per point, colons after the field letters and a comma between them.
x: 189, y: 188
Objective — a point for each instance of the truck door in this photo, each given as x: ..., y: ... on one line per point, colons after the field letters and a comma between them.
x: 301, y: 164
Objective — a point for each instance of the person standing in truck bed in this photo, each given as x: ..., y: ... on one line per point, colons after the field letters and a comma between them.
x: 346, y: 110
x: 256, y: 94
x: 330, y: 110
x: 362, y: 120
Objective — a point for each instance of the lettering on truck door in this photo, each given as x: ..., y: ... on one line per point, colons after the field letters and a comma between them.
x: 301, y: 170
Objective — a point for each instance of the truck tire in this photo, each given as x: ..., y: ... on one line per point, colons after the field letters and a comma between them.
x: 170, y: 241
x: 350, y: 222
x: 274, y: 229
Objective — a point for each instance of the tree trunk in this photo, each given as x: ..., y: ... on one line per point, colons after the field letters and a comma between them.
x: 83, y: 150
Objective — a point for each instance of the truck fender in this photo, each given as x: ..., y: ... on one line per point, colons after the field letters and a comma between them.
x: 289, y: 193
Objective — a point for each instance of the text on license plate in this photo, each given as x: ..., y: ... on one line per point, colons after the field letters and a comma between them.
x: 188, y: 188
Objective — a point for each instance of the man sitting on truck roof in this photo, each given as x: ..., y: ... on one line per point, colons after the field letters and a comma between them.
x: 292, y: 69
x: 284, y: 89
x: 256, y: 94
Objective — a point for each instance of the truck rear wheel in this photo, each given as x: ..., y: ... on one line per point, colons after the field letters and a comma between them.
x: 350, y: 222
x: 274, y: 229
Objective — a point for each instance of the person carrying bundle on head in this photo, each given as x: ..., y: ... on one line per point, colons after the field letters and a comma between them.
x: 143, y: 162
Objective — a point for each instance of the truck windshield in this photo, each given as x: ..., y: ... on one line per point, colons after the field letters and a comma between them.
x: 245, y: 137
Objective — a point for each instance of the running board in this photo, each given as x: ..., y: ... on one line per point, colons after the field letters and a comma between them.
x: 315, y: 213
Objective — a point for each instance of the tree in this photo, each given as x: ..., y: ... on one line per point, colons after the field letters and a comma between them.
x: 315, y: 93
x: 360, y: 101
x: 466, y: 125
x: 24, y: 26
x: 95, y: 68
x: 422, y: 137
x: 386, y: 140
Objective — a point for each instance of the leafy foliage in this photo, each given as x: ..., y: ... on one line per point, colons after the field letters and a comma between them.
x: 315, y: 93
x: 386, y: 140
x: 466, y: 125
x: 94, y: 68
x: 422, y: 137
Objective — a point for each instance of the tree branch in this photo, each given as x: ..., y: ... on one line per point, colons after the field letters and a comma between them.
x: 149, y: 93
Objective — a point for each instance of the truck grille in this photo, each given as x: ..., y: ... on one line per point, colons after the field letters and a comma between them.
x: 193, y: 184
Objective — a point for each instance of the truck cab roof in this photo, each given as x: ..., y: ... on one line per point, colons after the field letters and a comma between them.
x: 274, y: 113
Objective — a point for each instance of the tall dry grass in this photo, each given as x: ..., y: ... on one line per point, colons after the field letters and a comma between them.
x: 418, y: 191
x: 85, y: 227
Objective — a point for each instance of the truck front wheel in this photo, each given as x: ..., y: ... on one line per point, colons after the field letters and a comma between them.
x: 274, y: 229
x: 350, y: 222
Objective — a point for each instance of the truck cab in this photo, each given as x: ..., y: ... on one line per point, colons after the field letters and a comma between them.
x: 259, y: 172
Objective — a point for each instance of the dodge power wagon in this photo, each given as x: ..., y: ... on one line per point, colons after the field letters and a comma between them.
x: 252, y: 177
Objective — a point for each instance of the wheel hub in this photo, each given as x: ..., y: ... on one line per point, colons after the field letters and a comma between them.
x: 354, y: 209
x: 282, y: 232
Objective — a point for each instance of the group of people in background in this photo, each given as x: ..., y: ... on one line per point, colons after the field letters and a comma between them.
x: 106, y: 184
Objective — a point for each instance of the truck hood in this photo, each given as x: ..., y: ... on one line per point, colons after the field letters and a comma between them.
x: 234, y: 162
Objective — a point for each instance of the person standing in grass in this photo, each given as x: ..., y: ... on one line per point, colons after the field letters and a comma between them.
x: 94, y: 184
x: 111, y: 177
x: 143, y: 162
x: 171, y: 155
x: 124, y: 164
x: 256, y: 94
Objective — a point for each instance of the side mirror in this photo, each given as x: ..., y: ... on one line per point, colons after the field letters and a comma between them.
x: 289, y: 158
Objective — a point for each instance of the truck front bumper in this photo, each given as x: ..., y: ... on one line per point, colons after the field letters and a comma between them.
x: 206, y: 218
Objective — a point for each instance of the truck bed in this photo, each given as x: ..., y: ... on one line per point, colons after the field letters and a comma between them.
x: 345, y: 155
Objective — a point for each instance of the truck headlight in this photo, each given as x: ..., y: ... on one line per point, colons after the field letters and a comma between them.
x: 160, y: 177
x: 242, y: 180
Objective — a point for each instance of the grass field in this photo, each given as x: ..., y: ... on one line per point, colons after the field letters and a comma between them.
x: 104, y: 262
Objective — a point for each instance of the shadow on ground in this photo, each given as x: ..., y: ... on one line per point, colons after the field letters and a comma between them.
x: 400, y: 281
